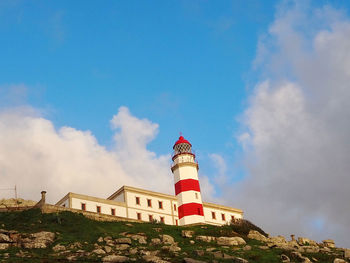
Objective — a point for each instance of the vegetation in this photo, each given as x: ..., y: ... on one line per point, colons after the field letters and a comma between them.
x: 71, y: 227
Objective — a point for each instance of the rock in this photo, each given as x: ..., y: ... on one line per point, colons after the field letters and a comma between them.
x: 264, y: 247
x: 128, y: 224
x: 5, y: 238
x: 100, y: 239
x: 191, y: 260
x: 153, y: 259
x: 155, y: 241
x: 58, y: 247
x: 310, y: 249
x: 206, y: 238
x: 122, y: 246
x: 39, y: 240
x: 133, y: 251
x: 329, y: 243
x: 99, y: 251
x: 247, y: 248
x: 209, y: 249
x: 157, y: 229
x: 115, y: 258
x: 107, y: 238
x: 218, y: 254
x: 339, y: 260
x: 172, y: 248
x: 230, y: 241
x: 297, y: 255
x: 140, y: 238
x: 277, y: 240
x: 187, y: 233
x: 108, y: 249
x: 253, y: 234
x: 4, y: 246
x: 302, y: 241
x: 239, y: 260
x: 166, y: 239
x: 192, y: 242
x: 346, y: 253
x: 123, y: 240
x: 285, y: 258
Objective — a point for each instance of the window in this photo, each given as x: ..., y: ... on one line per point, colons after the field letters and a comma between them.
x: 139, y: 216
x: 223, y: 217
x: 176, y: 222
x: 196, y: 194
x: 232, y: 218
x: 150, y: 218
x: 149, y: 202
x: 213, y: 216
x: 98, y: 209
x: 83, y: 206
x: 174, y: 207
x: 162, y: 219
x: 160, y: 203
x: 137, y: 200
x: 113, y: 211
x: 64, y: 205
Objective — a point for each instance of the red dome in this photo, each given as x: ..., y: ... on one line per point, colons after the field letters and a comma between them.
x: 182, y: 140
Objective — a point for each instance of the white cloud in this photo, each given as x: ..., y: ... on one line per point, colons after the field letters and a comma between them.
x: 36, y: 156
x: 297, y: 127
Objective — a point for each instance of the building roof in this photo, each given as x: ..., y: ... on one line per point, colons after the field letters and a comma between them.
x: 181, y: 140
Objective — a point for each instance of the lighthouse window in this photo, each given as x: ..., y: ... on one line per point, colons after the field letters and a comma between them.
x: 174, y: 207
x: 160, y: 203
x: 149, y: 202
x: 213, y: 216
x: 196, y: 194
x: 137, y: 200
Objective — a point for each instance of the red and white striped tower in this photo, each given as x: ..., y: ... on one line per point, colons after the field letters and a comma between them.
x: 187, y: 190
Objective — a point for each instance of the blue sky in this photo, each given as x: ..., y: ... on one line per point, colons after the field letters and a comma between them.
x: 188, y: 66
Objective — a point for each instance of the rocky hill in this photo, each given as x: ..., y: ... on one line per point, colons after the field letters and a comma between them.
x: 30, y: 236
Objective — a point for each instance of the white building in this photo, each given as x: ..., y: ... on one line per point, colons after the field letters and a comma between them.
x: 186, y: 207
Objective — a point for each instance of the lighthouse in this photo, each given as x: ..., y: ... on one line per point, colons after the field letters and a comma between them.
x: 187, y: 190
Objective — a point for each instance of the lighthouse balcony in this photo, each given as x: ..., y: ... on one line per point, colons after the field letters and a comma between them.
x: 184, y: 158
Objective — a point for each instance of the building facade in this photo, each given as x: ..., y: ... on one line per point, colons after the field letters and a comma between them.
x: 185, y: 208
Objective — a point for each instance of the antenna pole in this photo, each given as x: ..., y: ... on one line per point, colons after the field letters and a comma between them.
x: 16, y: 191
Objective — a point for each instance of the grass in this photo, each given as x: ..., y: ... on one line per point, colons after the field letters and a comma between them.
x: 72, y: 227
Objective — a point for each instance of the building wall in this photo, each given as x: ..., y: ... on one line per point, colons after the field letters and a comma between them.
x: 145, y: 210
x: 119, y: 198
x: 218, y: 214
x: 92, y: 207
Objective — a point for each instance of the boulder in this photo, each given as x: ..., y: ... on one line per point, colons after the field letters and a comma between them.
x: 303, y: 241
x: 187, y: 233
x: 122, y: 246
x: 239, y: 260
x: 140, y: 238
x: 108, y: 249
x: 5, y: 238
x: 206, y: 238
x: 58, y: 247
x: 123, y: 240
x: 297, y: 255
x: 253, y: 234
x: 310, y: 249
x: 329, y: 243
x: 155, y: 241
x: 285, y: 258
x: 99, y: 251
x: 166, y: 239
x: 115, y: 258
x: 39, y: 240
x: 346, y: 253
x: 230, y: 241
x: 339, y: 260
x: 4, y: 246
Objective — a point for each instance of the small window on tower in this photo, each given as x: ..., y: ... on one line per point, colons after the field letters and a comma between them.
x: 137, y: 200
x: 174, y: 207
x: 223, y: 217
x: 160, y: 203
x: 83, y: 206
x: 196, y: 194
x: 213, y: 215
x: 113, y: 211
x: 149, y: 202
